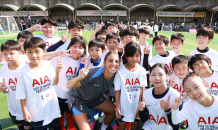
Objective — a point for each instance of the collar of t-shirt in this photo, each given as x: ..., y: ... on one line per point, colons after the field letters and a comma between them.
x: 203, y: 51
x: 165, y: 55
x: 96, y: 63
x: 160, y: 96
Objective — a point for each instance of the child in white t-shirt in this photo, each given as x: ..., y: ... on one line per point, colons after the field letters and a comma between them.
x: 201, y: 64
x: 48, y: 27
x: 35, y: 89
x: 203, y: 37
x: 71, y: 63
x: 157, y: 101
x: 8, y: 81
x: 201, y: 110
x: 160, y: 44
x: 129, y: 82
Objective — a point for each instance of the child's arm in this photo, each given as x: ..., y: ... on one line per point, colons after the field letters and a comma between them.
x: 146, y: 64
x: 58, y: 44
x: 96, y: 30
x: 117, y: 101
x: 4, y: 87
x: 58, y: 70
x: 75, y: 82
x: 84, y: 61
x: 37, y: 27
x: 50, y: 55
x: 26, y: 114
x: 143, y: 110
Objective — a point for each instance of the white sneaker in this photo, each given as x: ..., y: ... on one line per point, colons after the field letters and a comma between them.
x: 101, y: 120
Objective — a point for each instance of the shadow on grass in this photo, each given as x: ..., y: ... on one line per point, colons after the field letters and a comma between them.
x: 7, y: 124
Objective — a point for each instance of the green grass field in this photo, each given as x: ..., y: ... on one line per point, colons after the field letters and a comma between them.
x: 189, y: 45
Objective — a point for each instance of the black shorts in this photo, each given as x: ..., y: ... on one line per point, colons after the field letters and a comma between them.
x: 16, y: 122
x: 121, y: 119
x: 78, y: 107
x: 63, y: 105
x: 38, y: 125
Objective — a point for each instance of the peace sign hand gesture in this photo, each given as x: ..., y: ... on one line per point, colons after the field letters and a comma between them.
x: 172, y: 81
x: 84, y: 71
x: 59, y: 65
x: 3, y: 86
x: 147, y: 49
x: 65, y: 36
x: 38, y: 27
x: 63, y: 53
x: 120, y: 47
x: 178, y: 101
x: 84, y: 60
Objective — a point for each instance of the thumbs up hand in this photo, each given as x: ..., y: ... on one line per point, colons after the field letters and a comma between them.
x: 165, y: 104
x: 141, y: 105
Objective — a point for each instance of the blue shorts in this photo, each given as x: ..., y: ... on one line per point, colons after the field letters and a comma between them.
x: 16, y: 122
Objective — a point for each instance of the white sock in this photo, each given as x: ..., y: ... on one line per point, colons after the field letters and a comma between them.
x: 103, y: 126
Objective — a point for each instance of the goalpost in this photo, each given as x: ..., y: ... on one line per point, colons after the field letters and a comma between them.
x: 8, y: 26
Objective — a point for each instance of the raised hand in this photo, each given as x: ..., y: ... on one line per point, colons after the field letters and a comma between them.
x: 38, y: 27
x: 118, y: 113
x: 120, y: 47
x: 59, y: 65
x: 3, y: 86
x: 63, y: 53
x: 99, y: 27
x: 123, y: 26
x: 165, y: 104
x: 65, y: 36
x: 172, y: 82
x: 178, y: 101
x: 84, y: 60
x: 84, y: 71
x: 141, y: 104
x: 147, y: 49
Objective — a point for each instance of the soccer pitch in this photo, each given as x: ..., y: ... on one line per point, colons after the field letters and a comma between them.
x: 189, y: 45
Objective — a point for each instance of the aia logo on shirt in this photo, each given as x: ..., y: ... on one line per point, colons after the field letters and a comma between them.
x: 11, y: 81
x: 168, y: 66
x: 213, y: 85
x: 40, y: 82
x: 179, y: 89
x: 208, y: 120
x: 70, y: 70
x: 48, y: 44
x: 158, y: 120
x: 133, y: 81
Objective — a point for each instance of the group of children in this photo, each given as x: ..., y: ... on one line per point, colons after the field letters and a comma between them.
x: 47, y: 78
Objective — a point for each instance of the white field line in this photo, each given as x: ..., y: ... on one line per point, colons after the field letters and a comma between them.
x: 185, y: 49
x: 191, y: 43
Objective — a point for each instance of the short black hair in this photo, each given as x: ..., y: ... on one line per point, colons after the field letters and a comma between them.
x: 198, y: 57
x: 144, y: 30
x: 111, y: 24
x: 161, y: 66
x: 98, y: 43
x: 49, y: 20
x: 10, y: 45
x: 34, y: 42
x: 130, y: 49
x: 113, y: 35
x: 205, y: 31
x: 102, y: 31
x: 178, y: 36
x: 76, y: 23
x: 24, y: 34
x: 129, y: 31
x: 179, y: 59
x: 79, y: 39
x: 162, y: 38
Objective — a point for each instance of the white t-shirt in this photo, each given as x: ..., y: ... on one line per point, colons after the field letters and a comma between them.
x: 36, y: 86
x: 139, y: 23
x: 3, y: 63
x: 24, y: 58
x: 212, y: 54
x: 164, y: 60
x: 10, y: 77
x: 157, y: 117
x: 142, y: 53
x: 130, y: 84
x: 104, y: 54
x: 155, y: 28
x: 182, y: 24
x: 198, y: 116
x: 178, y: 86
x: 68, y: 72
x: 49, y: 41
x: 212, y: 83
x: 151, y: 29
